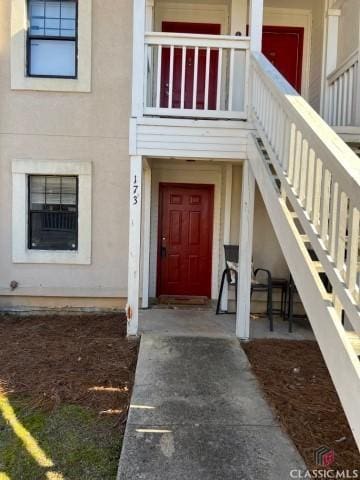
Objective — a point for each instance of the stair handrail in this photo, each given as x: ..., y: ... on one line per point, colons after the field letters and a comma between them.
x: 340, y: 157
x: 349, y: 62
x: 322, y: 173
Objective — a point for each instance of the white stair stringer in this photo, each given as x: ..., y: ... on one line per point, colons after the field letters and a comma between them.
x: 340, y: 348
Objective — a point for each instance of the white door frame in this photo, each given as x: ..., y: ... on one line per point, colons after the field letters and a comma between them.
x: 196, y: 173
x: 291, y: 17
x: 188, y: 12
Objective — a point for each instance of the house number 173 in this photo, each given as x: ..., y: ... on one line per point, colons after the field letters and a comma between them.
x: 135, y: 190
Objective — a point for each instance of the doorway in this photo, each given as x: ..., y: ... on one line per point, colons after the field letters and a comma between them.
x: 284, y: 47
x: 185, y: 236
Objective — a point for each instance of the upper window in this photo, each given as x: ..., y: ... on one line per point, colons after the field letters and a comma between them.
x: 53, y: 212
x: 52, y: 38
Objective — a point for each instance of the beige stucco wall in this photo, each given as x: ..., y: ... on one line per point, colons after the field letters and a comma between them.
x: 74, y: 126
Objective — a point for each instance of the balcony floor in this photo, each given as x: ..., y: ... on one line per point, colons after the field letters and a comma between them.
x: 195, y: 322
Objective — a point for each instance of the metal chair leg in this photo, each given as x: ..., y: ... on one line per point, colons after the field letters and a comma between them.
x: 291, y: 308
x: 236, y: 291
x: 221, y: 292
x: 270, y: 309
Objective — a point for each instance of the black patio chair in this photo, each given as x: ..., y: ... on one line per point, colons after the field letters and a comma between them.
x: 230, y: 275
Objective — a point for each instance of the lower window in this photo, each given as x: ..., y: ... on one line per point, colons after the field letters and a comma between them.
x: 53, y: 212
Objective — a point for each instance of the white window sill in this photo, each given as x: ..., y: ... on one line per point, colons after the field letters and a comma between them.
x: 53, y: 256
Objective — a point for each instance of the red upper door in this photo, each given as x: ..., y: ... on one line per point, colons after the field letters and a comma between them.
x: 199, y: 28
x: 283, y: 46
x: 185, y: 239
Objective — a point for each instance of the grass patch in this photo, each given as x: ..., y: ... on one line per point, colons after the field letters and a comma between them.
x: 78, y: 443
x: 65, y: 386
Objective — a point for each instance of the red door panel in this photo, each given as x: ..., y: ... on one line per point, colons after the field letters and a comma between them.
x: 283, y: 46
x: 199, y: 28
x: 185, y: 239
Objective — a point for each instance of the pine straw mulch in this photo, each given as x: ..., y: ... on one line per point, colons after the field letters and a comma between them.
x: 297, y: 384
x: 84, y: 360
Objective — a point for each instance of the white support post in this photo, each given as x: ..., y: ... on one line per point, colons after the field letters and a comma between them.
x: 132, y: 308
x: 332, y: 28
x: 256, y: 24
x: 357, y: 93
x: 146, y: 238
x: 138, y: 70
x: 238, y: 17
x: 227, y: 227
x: 238, y: 25
x: 149, y: 16
x: 245, y: 252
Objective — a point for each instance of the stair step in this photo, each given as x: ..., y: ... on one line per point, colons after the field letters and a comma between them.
x: 354, y: 339
x: 355, y: 147
x: 319, y: 267
x: 305, y: 238
x: 328, y: 296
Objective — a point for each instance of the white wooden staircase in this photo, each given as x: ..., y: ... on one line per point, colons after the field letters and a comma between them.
x: 310, y: 182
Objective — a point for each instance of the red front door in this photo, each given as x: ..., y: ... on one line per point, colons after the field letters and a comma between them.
x: 185, y: 239
x: 283, y: 46
x: 199, y: 28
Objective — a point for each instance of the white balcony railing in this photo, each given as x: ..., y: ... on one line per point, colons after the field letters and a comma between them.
x: 201, y: 76
x: 343, y: 90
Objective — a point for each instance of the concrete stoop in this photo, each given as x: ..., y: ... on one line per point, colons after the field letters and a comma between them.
x: 197, y: 413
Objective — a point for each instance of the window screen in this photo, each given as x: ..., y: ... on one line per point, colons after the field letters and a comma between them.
x: 52, y: 38
x: 53, y: 212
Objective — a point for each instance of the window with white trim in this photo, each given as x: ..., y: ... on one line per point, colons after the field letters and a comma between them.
x: 51, y: 45
x: 52, y: 38
x: 53, y: 212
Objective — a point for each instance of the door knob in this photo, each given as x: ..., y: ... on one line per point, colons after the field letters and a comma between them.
x: 163, y: 247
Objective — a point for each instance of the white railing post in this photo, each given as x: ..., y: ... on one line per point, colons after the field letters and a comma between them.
x: 256, y: 24
x: 149, y: 16
x: 237, y: 27
x: 357, y: 92
x: 138, y: 73
x: 245, y: 252
x: 132, y: 308
x: 238, y: 17
x: 332, y: 27
x: 256, y: 18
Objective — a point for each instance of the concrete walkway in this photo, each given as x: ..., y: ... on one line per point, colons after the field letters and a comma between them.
x: 197, y: 413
